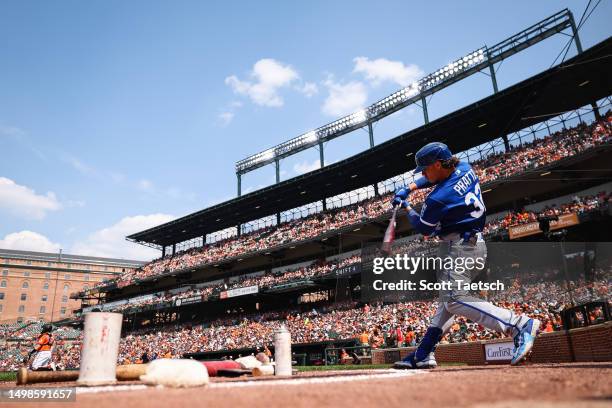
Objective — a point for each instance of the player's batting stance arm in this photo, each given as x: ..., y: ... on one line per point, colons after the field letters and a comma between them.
x: 432, y: 210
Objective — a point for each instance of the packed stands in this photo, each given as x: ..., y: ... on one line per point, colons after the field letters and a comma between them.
x: 578, y: 205
x: 528, y: 156
x: 348, y: 320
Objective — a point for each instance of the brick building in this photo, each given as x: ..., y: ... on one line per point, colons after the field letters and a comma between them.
x: 37, y: 285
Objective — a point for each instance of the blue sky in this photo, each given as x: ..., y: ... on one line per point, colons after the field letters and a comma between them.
x: 116, y: 116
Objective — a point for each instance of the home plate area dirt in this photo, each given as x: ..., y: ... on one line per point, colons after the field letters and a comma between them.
x: 536, y: 385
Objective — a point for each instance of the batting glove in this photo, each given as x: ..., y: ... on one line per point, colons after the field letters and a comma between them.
x: 402, y: 193
x: 398, y: 201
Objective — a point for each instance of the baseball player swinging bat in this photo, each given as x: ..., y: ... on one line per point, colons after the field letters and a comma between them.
x: 454, y: 211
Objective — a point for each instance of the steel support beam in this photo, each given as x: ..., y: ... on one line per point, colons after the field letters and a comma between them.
x: 425, y: 114
x: 492, y: 73
x: 575, y: 33
x: 371, y: 133
x: 506, y: 142
x: 321, y: 155
x: 277, y: 165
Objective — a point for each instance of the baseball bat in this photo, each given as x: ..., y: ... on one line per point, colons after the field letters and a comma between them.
x: 389, y: 234
x: 127, y: 372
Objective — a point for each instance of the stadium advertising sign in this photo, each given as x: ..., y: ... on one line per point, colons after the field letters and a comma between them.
x: 499, y: 351
x: 519, y: 231
x: 140, y: 299
x: 110, y: 305
x: 188, y: 301
x: 248, y: 290
x: 347, y: 270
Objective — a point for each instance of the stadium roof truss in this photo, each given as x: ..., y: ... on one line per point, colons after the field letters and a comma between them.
x: 579, y: 81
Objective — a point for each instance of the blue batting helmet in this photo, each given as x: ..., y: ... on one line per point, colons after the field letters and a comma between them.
x: 430, y: 153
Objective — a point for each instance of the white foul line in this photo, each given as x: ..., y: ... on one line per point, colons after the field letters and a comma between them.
x: 285, y: 381
x: 318, y: 380
x: 110, y: 388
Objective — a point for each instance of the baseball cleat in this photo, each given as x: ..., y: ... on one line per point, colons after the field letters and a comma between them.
x: 523, y: 341
x: 410, y: 363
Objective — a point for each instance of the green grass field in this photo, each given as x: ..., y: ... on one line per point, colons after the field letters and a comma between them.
x: 343, y: 367
x: 359, y: 367
x: 8, y: 376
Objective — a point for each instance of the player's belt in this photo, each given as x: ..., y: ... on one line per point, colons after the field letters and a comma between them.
x: 456, y: 237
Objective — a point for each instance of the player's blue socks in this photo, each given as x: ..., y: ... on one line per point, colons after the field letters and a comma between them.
x: 429, y: 343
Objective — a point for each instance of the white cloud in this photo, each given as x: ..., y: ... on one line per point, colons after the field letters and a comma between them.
x: 308, y: 89
x: 23, y: 202
x: 305, y: 167
x: 269, y: 76
x: 344, y: 99
x: 110, y: 241
x: 28, y: 241
x: 382, y: 70
x: 226, y: 118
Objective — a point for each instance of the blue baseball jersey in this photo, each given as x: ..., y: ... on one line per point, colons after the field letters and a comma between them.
x: 454, y: 206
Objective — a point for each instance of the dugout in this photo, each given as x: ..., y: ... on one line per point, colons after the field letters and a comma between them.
x: 303, y: 353
x: 587, y: 314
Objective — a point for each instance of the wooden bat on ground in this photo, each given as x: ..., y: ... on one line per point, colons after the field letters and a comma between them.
x: 389, y: 234
x: 127, y: 372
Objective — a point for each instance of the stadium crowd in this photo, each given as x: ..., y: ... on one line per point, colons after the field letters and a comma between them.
x: 578, y: 205
x: 376, y: 325
x: 320, y: 268
x: 527, y: 156
x: 315, y: 269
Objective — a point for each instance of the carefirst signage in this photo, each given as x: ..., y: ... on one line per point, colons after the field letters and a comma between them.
x: 499, y: 351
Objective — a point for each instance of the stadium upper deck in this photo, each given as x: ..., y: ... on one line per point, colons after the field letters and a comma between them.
x: 542, y: 94
x: 574, y: 83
